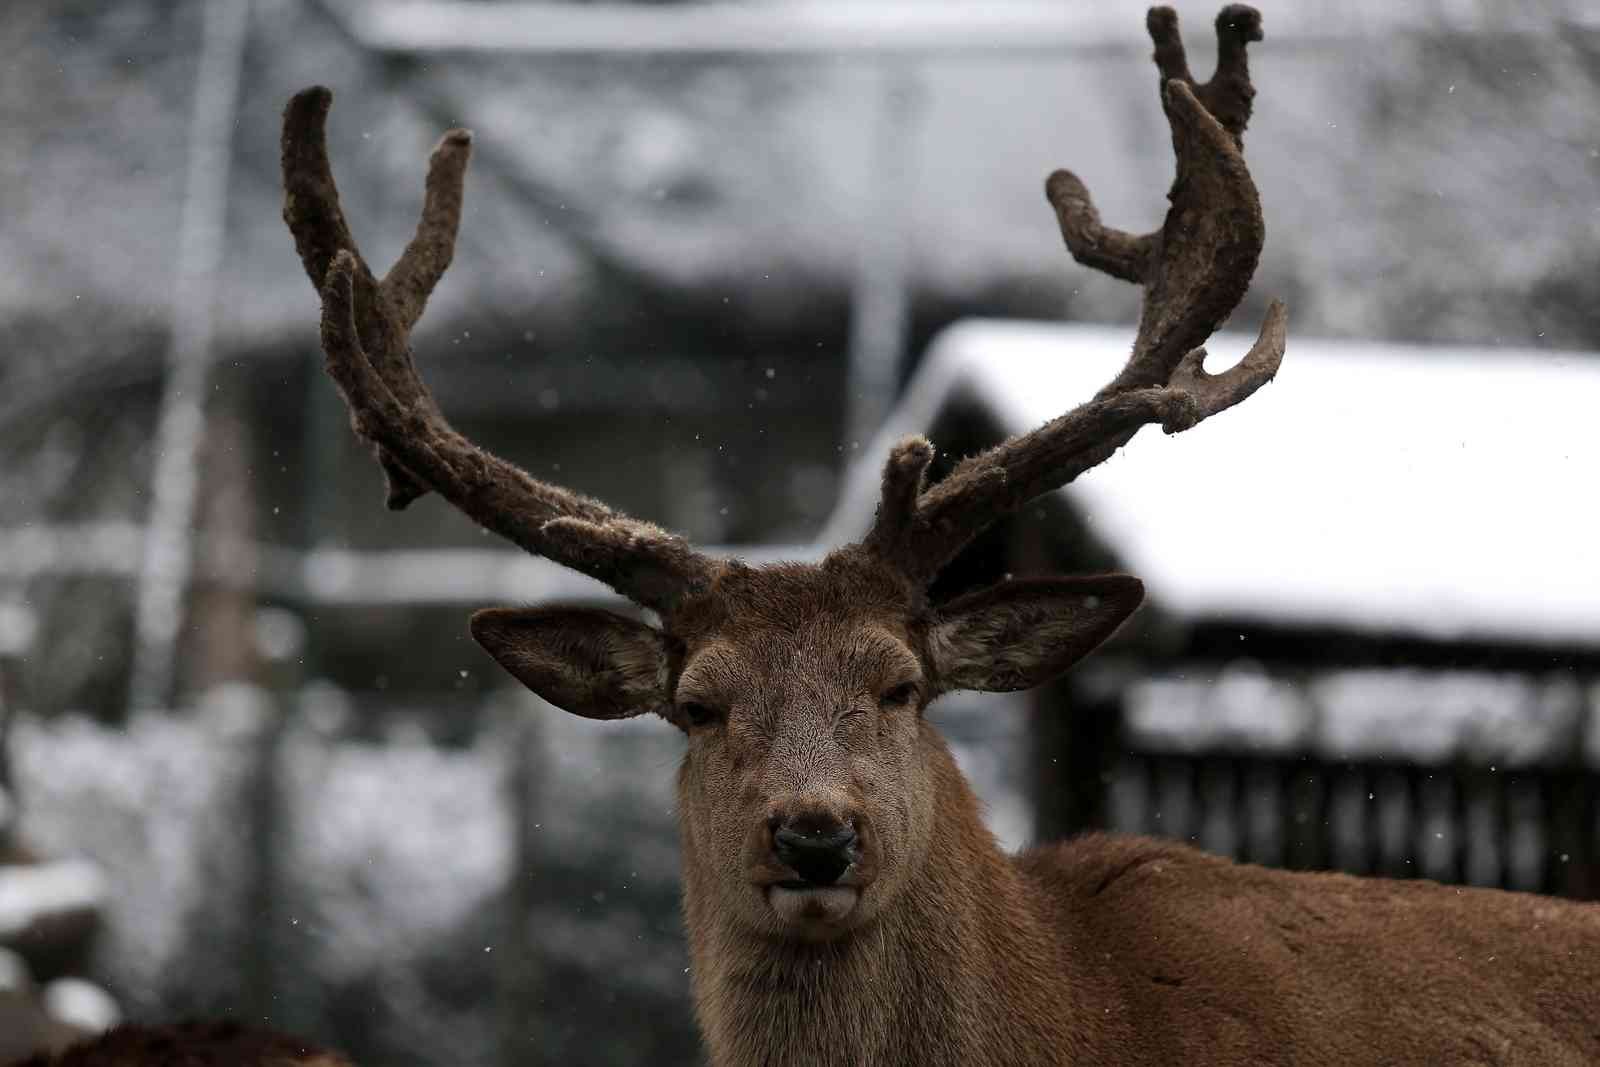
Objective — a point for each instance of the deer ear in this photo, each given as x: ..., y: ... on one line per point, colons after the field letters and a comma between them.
x: 589, y: 662
x: 1017, y: 635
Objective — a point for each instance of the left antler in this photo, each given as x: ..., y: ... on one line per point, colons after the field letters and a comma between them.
x: 1194, y: 271
x: 366, y: 329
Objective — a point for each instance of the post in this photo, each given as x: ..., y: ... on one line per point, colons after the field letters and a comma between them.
x: 17, y: 628
x: 518, y: 970
x: 1075, y: 723
x: 164, y: 570
x: 880, y: 296
x: 280, y: 641
x: 1075, y: 730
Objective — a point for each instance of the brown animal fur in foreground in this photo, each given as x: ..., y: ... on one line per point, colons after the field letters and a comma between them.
x: 212, y: 1044
x: 26, y: 1027
x: 844, y: 902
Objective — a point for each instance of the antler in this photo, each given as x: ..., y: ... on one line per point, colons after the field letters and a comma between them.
x: 366, y: 329
x: 1194, y: 271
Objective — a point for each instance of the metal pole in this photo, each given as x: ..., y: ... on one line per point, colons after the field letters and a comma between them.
x: 17, y: 628
x: 880, y: 298
x: 520, y: 969
x: 167, y: 558
x: 281, y: 640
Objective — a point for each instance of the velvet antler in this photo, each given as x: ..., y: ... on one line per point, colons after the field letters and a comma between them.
x: 366, y: 329
x: 1194, y: 271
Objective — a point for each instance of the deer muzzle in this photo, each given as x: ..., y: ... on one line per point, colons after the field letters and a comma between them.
x: 816, y: 867
x: 818, y: 854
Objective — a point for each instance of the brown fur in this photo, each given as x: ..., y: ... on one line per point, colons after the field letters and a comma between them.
x: 1213, y: 962
x: 213, y: 1044
x: 26, y: 1027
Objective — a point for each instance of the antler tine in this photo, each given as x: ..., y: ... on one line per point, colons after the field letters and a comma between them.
x: 366, y: 328
x: 1194, y: 271
x: 1206, y: 250
x: 1228, y: 95
x: 316, y: 219
x: 903, y: 477
x: 410, y: 281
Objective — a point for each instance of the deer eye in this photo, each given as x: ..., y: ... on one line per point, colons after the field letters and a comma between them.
x: 899, y: 696
x: 697, y: 714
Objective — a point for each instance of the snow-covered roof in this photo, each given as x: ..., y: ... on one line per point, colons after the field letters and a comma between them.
x: 1439, y: 490
x: 826, y: 27
x: 82, y: 1004
x: 32, y: 893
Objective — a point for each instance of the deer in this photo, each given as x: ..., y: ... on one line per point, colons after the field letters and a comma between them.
x: 36, y: 1033
x: 843, y: 900
x: 190, y: 1044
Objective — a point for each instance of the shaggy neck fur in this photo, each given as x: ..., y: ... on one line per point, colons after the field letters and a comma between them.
x: 956, y: 970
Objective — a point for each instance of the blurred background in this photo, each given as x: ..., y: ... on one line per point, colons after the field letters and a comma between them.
x: 713, y: 256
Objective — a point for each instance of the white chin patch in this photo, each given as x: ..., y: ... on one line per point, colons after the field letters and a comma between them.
x: 822, y: 906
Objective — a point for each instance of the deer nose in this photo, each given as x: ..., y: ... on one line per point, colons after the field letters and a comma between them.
x: 819, y: 850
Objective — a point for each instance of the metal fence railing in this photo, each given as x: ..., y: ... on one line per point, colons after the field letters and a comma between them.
x: 1534, y: 829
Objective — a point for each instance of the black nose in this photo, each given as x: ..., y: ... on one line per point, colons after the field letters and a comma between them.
x: 818, y: 851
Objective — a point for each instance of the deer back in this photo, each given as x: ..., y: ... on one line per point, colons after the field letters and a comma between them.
x: 1216, y: 962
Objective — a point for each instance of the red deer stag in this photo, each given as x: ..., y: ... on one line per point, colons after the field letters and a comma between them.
x: 844, y: 902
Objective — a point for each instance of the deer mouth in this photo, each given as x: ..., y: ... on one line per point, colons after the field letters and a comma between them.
x: 807, y: 904
x: 798, y: 885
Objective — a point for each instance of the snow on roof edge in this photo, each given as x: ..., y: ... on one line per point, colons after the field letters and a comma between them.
x: 1427, y: 489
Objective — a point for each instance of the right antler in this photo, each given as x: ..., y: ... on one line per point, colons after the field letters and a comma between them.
x: 1194, y: 271
x: 366, y: 329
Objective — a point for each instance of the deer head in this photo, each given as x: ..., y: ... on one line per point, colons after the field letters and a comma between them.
x: 810, y: 781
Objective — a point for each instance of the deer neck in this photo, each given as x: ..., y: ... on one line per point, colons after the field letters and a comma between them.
x: 937, y: 978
